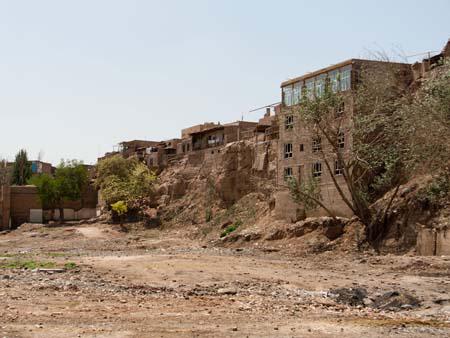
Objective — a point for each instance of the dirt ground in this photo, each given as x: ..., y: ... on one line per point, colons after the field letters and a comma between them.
x: 96, y: 281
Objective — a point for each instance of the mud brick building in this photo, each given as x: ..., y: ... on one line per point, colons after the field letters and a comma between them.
x: 300, y: 152
x: 136, y: 148
x: 158, y: 157
x: 222, y: 134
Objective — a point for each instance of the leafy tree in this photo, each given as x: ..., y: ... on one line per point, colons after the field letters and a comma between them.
x: 427, y: 121
x: 22, y: 168
x: 393, y: 133
x: 376, y: 152
x: 68, y: 184
x: 126, y: 180
x: 5, y: 175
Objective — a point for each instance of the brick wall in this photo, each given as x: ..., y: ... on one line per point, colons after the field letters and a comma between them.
x: 25, y: 198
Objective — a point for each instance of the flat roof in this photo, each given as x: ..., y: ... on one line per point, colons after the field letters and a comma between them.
x: 139, y: 141
x: 333, y: 67
x: 208, y: 130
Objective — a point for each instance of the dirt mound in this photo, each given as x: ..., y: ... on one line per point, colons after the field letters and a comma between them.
x: 424, y: 202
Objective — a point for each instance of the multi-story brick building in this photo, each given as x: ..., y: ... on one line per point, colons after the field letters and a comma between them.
x: 300, y: 153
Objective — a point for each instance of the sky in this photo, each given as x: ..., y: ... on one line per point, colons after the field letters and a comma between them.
x: 78, y: 77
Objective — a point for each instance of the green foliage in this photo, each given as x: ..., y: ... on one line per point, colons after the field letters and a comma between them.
x: 68, y: 183
x: 307, y: 193
x: 71, y: 178
x: 426, y: 119
x: 120, y: 208
x: 126, y: 180
x: 70, y: 266
x: 377, y: 158
x: 26, y: 264
x: 437, y: 191
x: 231, y: 228
x: 4, y: 172
x: 22, y: 168
x: 48, y: 190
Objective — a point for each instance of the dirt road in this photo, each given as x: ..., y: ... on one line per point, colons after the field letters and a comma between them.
x: 94, y: 281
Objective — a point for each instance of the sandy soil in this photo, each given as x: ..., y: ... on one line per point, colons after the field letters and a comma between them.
x: 160, y: 284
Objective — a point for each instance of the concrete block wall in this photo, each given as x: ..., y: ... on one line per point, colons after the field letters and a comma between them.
x: 433, y: 242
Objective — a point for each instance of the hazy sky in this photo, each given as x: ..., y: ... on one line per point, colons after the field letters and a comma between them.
x: 77, y: 77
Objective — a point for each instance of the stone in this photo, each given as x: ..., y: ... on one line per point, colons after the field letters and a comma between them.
x: 227, y: 291
x: 349, y: 296
x: 395, y: 301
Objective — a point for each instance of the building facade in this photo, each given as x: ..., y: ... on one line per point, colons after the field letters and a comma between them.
x: 300, y: 151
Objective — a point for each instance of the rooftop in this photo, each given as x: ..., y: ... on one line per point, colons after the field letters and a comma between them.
x: 333, y: 67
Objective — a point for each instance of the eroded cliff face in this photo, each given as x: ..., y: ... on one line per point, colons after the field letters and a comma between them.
x: 200, y: 187
x: 230, y: 195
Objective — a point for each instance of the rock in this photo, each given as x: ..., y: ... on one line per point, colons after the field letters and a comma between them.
x: 367, y: 301
x: 349, y: 296
x: 275, y: 235
x: 227, y: 291
x: 395, y: 301
x: 152, y: 219
x: 334, y: 231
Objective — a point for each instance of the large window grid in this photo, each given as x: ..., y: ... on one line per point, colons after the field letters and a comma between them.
x: 287, y: 95
x: 320, y: 85
x: 309, y: 85
x: 345, y: 80
x: 297, y: 93
x: 339, y: 79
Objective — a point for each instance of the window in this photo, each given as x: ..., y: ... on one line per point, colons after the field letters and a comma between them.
x: 287, y: 95
x: 317, y: 169
x: 289, y: 122
x: 287, y: 173
x: 302, y: 148
x: 340, y: 110
x: 334, y: 80
x: 316, y: 144
x: 288, y: 150
x: 309, y: 84
x: 320, y: 85
x: 341, y: 140
x: 338, y: 168
x: 184, y: 148
x: 345, y: 78
x: 297, y: 93
x: 188, y: 147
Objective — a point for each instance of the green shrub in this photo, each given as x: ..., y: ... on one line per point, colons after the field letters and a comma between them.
x: 120, y: 208
x: 29, y: 264
x: 231, y: 228
x: 70, y: 265
x: 436, y: 191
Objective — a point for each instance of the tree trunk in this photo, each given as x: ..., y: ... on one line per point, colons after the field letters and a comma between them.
x: 61, y: 215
